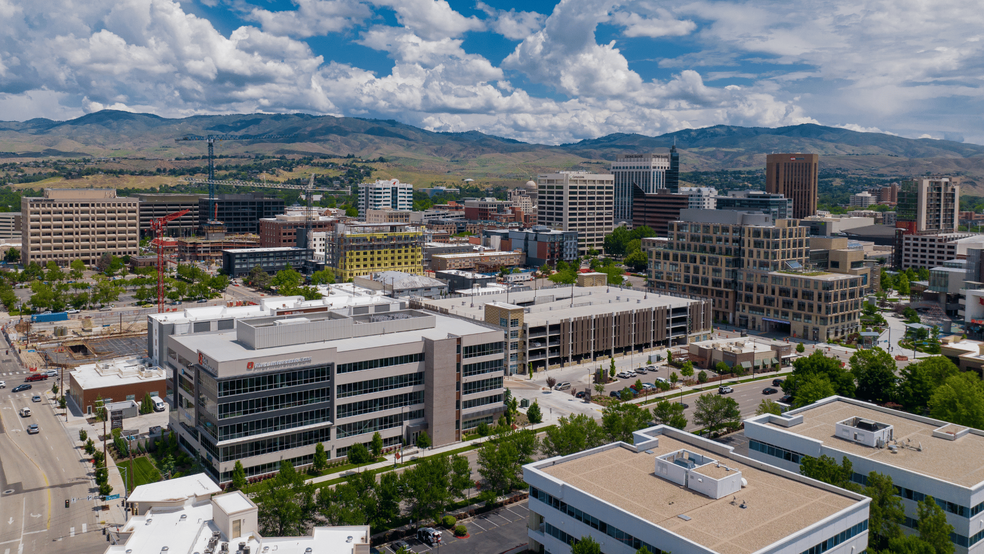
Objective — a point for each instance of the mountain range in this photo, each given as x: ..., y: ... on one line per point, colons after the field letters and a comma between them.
x: 477, y: 155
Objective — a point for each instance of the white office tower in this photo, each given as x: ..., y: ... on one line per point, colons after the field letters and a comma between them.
x: 380, y: 195
x: 647, y: 171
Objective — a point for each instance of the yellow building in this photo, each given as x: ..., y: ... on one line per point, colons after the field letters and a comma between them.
x: 364, y: 248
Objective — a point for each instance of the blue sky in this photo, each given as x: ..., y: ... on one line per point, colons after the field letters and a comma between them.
x: 536, y: 70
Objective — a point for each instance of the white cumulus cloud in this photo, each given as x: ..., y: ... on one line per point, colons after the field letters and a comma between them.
x: 312, y: 17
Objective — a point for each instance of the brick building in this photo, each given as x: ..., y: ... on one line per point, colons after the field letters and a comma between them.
x: 282, y: 230
x: 114, y: 381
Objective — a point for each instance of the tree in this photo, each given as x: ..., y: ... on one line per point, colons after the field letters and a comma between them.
x: 572, y: 434
x: 54, y: 272
x: 586, y: 545
x: 550, y: 383
x: 501, y: 460
x: 423, y: 440
x: 166, y: 466
x: 431, y: 485
x: 358, y: 454
x: 826, y: 469
x: 767, y: 406
x: 819, y: 364
x: 885, y: 513
x: 238, y: 476
x: 702, y: 377
x: 909, y: 544
x: 146, y: 405
x: 714, y: 411
x: 376, y: 445
x: 620, y: 420
x: 320, y: 461
x: 533, y: 414
x: 800, y: 348
x: 674, y: 378
x: 960, y: 400
x: 874, y: 371
x: 637, y: 260
x: 566, y: 277
x: 687, y: 370
x: 919, y: 381
x: 142, y: 294
x: 722, y: 368
x: 902, y: 285
x: 258, y: 277
x: 616, y: 241
x: 324, y: 277
x: 77, y: 269
x: 611, y: 369
x: 12, y: 256
x: 286, y: 504
x: 933, y: 527
x: 812, y: 388
x: 669, y: 413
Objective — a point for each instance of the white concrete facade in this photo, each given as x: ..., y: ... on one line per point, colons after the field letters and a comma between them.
x: 390, y: 193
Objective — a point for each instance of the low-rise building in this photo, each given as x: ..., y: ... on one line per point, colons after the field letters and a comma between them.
x: 923, y: 456
x: 834, y: 225
x: 238, y: 262
x: 204, y: 249
x: 115, y: 380
x: 459, y: 280
x: 282, y: 231
x: 389, y: 215
x: 750, y: 353
x: 401, y: 285
x: 672, y: 491
x: 431, y: 248
x: 541, y: 245
x: 482, y: 261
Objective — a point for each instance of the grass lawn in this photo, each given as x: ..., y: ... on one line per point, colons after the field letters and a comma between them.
x: 143, y: 471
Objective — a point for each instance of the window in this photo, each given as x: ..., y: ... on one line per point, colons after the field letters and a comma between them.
x: 496, y: 398
x: 382, y: 362
x: 377, y: 404
x: 490, y: 366
x: 591, y: 521
x: 377, y: 424
x: 382, y: 384
x: 482, y: 349
x: 776, y: 451
x: 482, y: 386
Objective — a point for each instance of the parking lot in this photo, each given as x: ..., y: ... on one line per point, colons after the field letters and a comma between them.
x: 491, y: 533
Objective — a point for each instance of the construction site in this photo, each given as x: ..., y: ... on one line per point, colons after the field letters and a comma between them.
x: 67, y: 344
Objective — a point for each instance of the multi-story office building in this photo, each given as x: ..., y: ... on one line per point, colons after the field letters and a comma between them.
x: 390, y: 193
x: 673, y: 173
x: 272, y: 388
x: 154, y: 206
x: 700, y: 198
x: 239, y: 213
x: 389, y: 215
x: 710, y: 253
x: 928, y: 206
x: 863, y: 200
x: 79, y: 224
x: 672, y: 491
x: 541, y: 245
x: 656, y: 211
x: 776, y: 205
x: 646, y: 171
x: 576, y: 201
x: 11, y: 225
x: 794, y: 176
x: 238, y: 262
x: 524, y: 197
x: 195, y: 249
x: 830, y: 226
x: 283, y: 230
x: 355, y: 249
x: 923, y: 456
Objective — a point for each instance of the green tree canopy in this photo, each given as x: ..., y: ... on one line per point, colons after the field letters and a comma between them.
x: 885, y: 513
x: 533, y: 414
x: 572, y: 433
x: 324, y: 277
x: 286, y: 504
x: 874, y: 371
x: 826, y: 469
x: 586, y: 545
x: 669, y: 413
x: 920, y: 380
x: 933, y: 526
x: 501, y: 460
x: 767, y: 406
x: 819, y: 364
x: 960, y: 400
x: 812, y: 388
x: 714, y: 411
x: 620, y: 420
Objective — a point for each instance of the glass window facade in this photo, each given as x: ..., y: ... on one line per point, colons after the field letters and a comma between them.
x: 376, y: 385
x: 381, y: 362
x: 378, y: 404
x: 482, y: 349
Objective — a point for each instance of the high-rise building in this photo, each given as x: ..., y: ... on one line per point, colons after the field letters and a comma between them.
x: 389, y: 193
x: 795, y: 177
x: 656, y: 211
x: 863, y: 200
x: 673, y: 174
x: 646, y: 171
x: 240, y: 213
x: 776, y: 205
x: 577, y: 201
x: 928, y: 206
x: 79, y: 224
x: 154, y: 206
x: 363, y: 249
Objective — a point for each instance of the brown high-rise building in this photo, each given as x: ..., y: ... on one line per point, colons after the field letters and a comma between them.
x: 795, y: 177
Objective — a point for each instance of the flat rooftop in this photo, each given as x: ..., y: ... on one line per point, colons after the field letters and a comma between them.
x: 175, y: 490
x: 777, y: 505
x: 955, y: 461
x: 115, y: 373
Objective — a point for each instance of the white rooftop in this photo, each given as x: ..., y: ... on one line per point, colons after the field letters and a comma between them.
x: 116, y: 372
x: 174, y: 490
x: 232, y: 503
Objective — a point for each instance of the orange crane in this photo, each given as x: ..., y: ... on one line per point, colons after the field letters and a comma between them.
x: 158, y: 225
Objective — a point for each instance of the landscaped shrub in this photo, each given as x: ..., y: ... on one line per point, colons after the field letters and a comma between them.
x: 83, y: 435
x: 449, y: 522
x: 460, y: 531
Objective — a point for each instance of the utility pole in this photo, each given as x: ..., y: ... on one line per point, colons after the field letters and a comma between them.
x: 61, y: 379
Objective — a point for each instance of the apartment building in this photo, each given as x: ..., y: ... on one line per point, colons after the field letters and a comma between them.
x: 709, y: 254
x: 576, y: 201
x: 356, y: 249
x: 79, y: 224
x: 283, y: 230
x: 646, y: 171
x: 272, y: 388
x: 672, y: 491
x: 923, y: 456
x: 389, y: 215
x: 239, y: 213
x: 776, y: 205
x: 389, y: 193
x: 541, y: 245
x: 700, y: 198
x: 928, y: 206
x: 794, y: 176
x: 481, y: 261
x: 154, y: 206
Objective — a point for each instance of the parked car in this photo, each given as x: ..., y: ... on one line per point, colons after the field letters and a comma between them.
x: 623, y: 375
x: 73, y: 311
x: 581, y: 394
x: 616, y: 394
x: 661, y: 380
x: 37, y: 377
x: 648, y: 387
x: 33, y: 429
x: 769, y: 390
x: 51, y: 373
x: 725, y: 390
x: 563, y: 386
x: 397, y: 546
x: 777, y: 382
x: 651, y: 367
x: 641, y: 370
x: 429, y: 535
x: 202, y: 301
x: 19, y: 388
x: 786, y: 399
x: 36, y: 398
x: 3, y: 384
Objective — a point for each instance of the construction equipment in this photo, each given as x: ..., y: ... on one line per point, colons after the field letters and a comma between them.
x: 305, y: 241
x: 157, y: 226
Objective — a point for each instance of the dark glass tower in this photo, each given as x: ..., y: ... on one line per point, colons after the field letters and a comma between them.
x: 673, y: 175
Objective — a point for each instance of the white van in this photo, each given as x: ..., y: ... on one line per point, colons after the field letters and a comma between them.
x: 158, y: 403
x: 25, y: 412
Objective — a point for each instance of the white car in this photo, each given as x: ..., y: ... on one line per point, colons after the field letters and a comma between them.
x: 563, y: 386
x: 625, y: 375
x: 3, y: 384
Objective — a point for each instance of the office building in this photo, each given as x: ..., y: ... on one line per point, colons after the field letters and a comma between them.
x: 923, y: 456
x: 931, y: 250
x: 389, y: 193
x: 946, y: 286
x: 11, y: 225
x: 78, y: 224
x: 487, y: 209
x: 524, y: 197
x: 209, y: 250
x: 114, y: 380
x: 673, y: 173
x: 711, y: 254
x: 154, y: 206
x: 672, y: 491
x: 700, y: 198
x: 397, y: 284
x: 863, y: 200
x: 598, y: 322
x: 389, y: 215
x: 238, y: 262
x: 541, y: 245
x: 646, y: 171
x: 182, y: 515
x: 286, y: 229
x: 794, y: 176
x: 749, y: 353
x: 479, y: 261
x: 656, y: 211
x: 272, y: 388
x: 355, y: 249
x: 239, y: 213
x: 577, y: 201
x: 776, y: 205
x: 928, y: 206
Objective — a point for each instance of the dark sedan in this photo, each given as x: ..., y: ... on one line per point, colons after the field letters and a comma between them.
x: 19, y: 388
x: 769, y: 390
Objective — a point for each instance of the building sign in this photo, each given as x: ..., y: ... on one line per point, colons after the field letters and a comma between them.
x: 277, y: 364
x: 205, y: 362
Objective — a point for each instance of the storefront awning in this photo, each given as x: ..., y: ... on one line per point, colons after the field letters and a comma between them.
x: 746, y: 365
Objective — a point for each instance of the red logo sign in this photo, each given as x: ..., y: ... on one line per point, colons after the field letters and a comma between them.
x: 201, y: 358
x: 249, y: 365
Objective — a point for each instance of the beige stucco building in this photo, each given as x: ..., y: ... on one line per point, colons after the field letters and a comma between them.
x: 578, y: 201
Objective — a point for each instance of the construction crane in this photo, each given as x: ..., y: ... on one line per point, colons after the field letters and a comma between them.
x: 264, y: 184
x: 210, y: 140
x: 305, y: 243
x: 158, y: 225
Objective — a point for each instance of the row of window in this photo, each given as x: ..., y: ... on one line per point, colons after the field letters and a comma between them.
x: 274, y: 402
x: 482, y: 349
x: 495, y: 398
x: 591, y: 521
x: 376, y: 385
x: 275, y: 381
x: 376, y: 424
x: 274, y: 444
x: 381, y: 362
x: 379, y: 404
x: 844, y: 535
x: 916, y: 496
x: 483, y: 385
x: 479, y: 368
x: 276, y: 423
x: 772, y: 450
